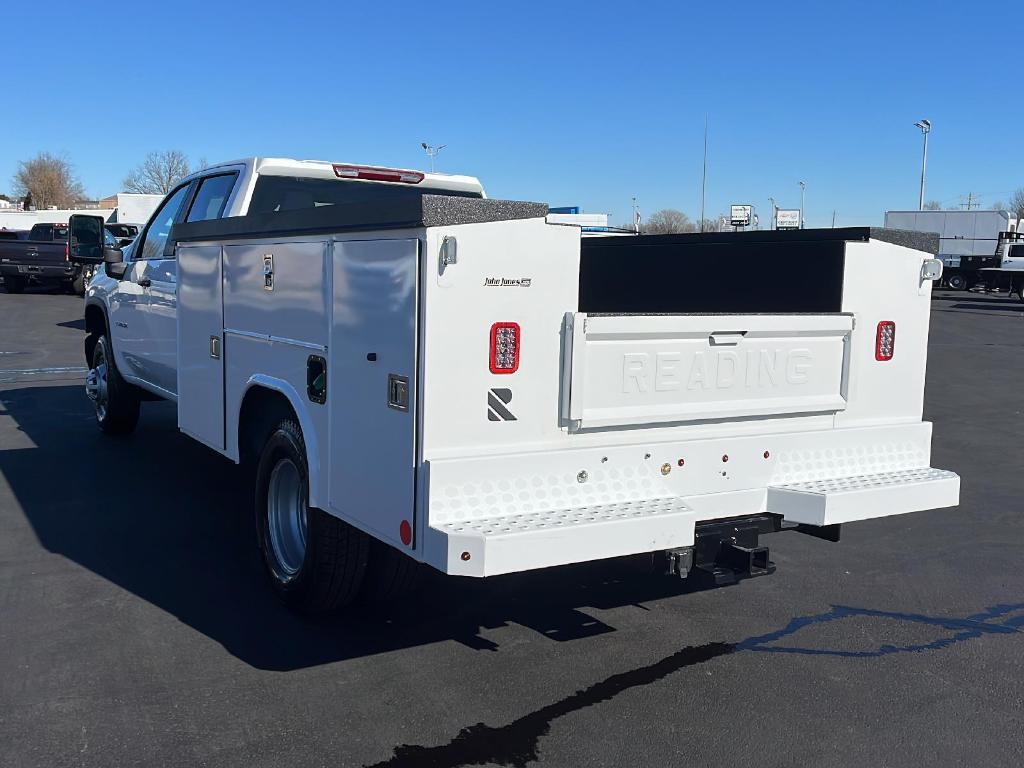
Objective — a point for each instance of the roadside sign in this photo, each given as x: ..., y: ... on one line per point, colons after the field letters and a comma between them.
x: 787, y: 219
x: 739, y: 215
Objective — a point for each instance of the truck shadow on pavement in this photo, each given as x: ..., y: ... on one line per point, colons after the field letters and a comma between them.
x: 517, y: 743
x: 166, y: 519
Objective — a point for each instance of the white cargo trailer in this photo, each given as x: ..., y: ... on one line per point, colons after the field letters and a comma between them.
x: 459, y: 382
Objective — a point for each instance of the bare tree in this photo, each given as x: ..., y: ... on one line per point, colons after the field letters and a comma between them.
x: 998, y: 205
x: 667, y: 221
x: 48, y: 180
x: 1016, y: 206
x: 158, y: 173
x: 933, y: 205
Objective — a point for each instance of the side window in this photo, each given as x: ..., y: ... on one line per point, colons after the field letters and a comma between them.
x: 212, y: 197
x: 155, y: 237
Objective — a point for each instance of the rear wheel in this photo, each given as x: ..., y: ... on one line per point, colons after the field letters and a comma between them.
x: 115, y: 400
x: 957, y: 282
x: 78, y: 284
x: 315, y: 562
x: 14, y: 284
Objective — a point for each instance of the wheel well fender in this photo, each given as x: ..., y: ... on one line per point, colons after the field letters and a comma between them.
x: 95, y: 326
x: 266, y: 401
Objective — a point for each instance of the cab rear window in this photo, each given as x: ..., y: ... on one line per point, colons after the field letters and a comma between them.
x: 286, y: 193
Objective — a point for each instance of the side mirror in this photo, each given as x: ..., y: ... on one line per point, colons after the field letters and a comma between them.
x: 113, y: 263
x: 85, y: 239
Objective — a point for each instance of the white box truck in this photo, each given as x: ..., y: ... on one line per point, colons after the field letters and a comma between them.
x: 455, y: 381
x: 971, y: 243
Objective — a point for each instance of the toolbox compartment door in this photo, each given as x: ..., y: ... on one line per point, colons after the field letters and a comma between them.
x: 372, y: 387
x: 636, y: 370
x: 201, y: 344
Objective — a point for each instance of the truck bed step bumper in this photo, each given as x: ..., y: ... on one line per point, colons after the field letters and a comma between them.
x: 518, y: 542
x: 844, y: 499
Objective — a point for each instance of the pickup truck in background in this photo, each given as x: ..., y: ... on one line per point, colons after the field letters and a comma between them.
x: 44, y: 258
x: 413, y: 373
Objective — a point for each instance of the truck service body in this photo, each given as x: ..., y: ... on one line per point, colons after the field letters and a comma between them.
x: 418, y: 368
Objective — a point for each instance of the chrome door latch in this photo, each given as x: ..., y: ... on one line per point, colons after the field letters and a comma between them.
x: 215, y: 347
x: 268, y: 271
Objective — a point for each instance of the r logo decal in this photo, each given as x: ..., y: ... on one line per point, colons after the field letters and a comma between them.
x: 497, y: 399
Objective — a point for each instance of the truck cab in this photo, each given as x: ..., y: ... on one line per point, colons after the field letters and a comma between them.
x: 133, y: 299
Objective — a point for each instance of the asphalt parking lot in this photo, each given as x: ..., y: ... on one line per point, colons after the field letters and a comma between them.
x: 136, y: 629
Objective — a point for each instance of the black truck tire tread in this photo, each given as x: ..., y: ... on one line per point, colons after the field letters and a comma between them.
x: 336, y: 553
x: 390, y: 575
x: 122, y: 399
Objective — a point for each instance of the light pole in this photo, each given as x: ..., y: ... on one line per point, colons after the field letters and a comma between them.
x: 432, y: 152
x: 926, y: 128
x: 803, y: 187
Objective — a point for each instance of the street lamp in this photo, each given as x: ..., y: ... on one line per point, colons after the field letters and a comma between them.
x: 926, y: 128
x: 803, y: 186
x: 432, y: 152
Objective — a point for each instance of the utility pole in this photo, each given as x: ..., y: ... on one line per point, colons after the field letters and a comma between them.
x: 970, y: 202
x: 432, y: 152
x: 833, y: 219
x: 803, y: 187
x: 926, y: 128
x: 636, y: 218
x: 774, y: 208
x: 704, y: 178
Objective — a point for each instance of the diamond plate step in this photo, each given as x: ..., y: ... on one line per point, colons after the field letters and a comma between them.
x: 845, y: 499
x: 495, y: 545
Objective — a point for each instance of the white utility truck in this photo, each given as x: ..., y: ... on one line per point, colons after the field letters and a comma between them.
x: 418, y: 373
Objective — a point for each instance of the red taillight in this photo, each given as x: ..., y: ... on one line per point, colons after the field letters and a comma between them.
x: 67, y: 252
x: 885, y: 340
x: 506, y: 340
x: 373, y: 173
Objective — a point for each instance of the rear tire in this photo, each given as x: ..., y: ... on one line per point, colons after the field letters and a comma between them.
x: 390, y: 575
x: 14, y: 284
x: 316, y: 562
x: 957, y: 282
x: 115, y: 400
x: 78, y: 284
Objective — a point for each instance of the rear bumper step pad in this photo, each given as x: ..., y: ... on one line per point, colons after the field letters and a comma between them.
x: 520, y: 542
x: 524, y: 541
x: 845, y: 499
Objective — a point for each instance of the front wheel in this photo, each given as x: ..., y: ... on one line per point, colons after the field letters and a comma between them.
x: 315, y: 562
x: 115, y: 401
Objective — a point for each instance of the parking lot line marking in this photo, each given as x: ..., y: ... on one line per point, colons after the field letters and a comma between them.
x: 31, y: 371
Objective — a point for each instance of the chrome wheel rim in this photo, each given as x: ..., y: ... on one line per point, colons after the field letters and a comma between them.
x: 96, y: 385
x: 286, y: 518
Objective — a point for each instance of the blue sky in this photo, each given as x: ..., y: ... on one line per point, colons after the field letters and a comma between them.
x: 566, y: 103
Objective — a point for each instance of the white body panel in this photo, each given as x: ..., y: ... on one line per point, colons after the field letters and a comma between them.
x: 373, y: 443
x: 201, y: 366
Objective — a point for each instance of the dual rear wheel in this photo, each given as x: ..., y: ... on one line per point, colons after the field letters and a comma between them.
x: 316, y: 562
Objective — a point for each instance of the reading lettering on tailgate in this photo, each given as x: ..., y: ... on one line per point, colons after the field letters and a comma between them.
x: 648, y: 369
x: 754, y: 369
